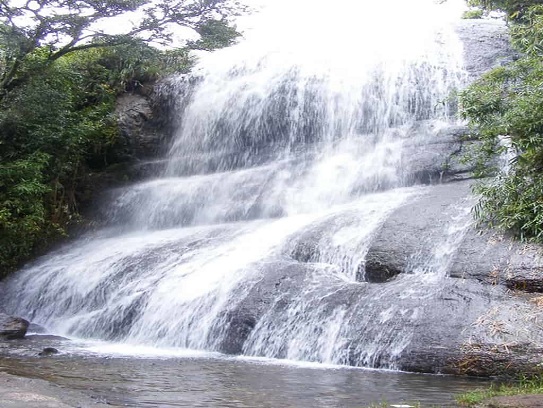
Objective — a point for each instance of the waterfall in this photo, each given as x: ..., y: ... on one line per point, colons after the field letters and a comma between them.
x: 287, y: 160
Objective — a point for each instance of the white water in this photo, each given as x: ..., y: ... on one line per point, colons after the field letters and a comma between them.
x: 287, y: 161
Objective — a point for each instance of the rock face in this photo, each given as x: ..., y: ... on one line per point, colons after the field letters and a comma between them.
x: 12, y: 328
x: 440, y: 298
x: 482, y: 320
x: 437, y: 157
x: 486, y: 45
x: 48, y: 351
x: 141, y: 135
x: 145, y: 124
x: 147, y: 120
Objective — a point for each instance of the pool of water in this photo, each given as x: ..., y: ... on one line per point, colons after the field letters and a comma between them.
x: 164, y: 379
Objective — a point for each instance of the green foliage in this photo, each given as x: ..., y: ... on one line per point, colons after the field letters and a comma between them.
x: 528, y: 36
x: 23, y: 212
x: 505, y: 107
x: 473, y: 14
x: 515, y: 9
x: 514, y: 203
x: 59, y: 80
x: 48, y: 127
x: 54, y: 128
x: 525, y: 385
x: 214, y: 34
x: 60, y: 27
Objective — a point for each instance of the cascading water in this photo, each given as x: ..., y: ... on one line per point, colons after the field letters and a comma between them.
x: 287, y: 160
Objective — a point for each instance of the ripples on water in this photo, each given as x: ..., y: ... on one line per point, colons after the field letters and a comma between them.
x: 233, y: 382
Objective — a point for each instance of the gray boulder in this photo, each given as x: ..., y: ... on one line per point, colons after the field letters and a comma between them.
x: 12, y: 328
x: 407, y: 235
x: 437, y: 157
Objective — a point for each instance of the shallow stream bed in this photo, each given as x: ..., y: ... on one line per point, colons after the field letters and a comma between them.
x: 207, y: 380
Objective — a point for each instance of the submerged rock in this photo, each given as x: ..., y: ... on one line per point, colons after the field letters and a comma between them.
x: 48, y: 351
x: 12, y: 328
x: 20, y: 392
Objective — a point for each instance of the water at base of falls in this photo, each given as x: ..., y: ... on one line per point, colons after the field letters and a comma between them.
x: 235, y: 383
x: 287, y: 161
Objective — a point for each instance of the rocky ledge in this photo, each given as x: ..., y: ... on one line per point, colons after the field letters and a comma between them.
x: 484, y: 320
x: 12, y: 328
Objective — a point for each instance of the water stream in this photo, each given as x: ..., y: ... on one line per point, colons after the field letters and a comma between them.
x: 287, y: 160
x: 175, y: 382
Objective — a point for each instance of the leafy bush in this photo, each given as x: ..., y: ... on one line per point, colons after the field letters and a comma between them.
x: 23, y: 209
x: 473, y: 14
x: 56, y: 110
x: 57, y: 126
x: 507, y: 105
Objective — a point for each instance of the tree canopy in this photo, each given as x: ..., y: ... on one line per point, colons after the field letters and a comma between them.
x: 60, y: 27
x: 62, y: 68
x: 515, y: 9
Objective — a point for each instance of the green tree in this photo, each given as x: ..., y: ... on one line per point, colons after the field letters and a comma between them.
x: 60, y: 75
x: 514, y: 8
x: 61, y: 27
x: 505, y: 107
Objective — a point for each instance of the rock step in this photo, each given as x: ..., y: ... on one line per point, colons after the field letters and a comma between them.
x: 12, y: 328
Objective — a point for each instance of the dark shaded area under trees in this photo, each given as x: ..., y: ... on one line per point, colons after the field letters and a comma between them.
x: 59, y: 79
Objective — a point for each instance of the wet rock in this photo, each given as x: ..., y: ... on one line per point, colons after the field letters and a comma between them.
x: 473, y: 324
x: 437, y: 157
x: 433, y: 156
x: 48, y: 351
x: 239, y: 326
x: 495, y: 258
x: 12, y: 328
x: 140, y: 138
x: 377, y: 272
x: 474, y: 329
x: 37, y: 338
x: 410, y: 233
x: 36, y: 328
x: 32, y: 345
x: 461, y: 327
x: 486, y: 45
x: 407, y: 235
x: 484, y: 255
x: 305, y: 251
x: 277, y: 278
x: 147, y: 119
x: 19, y: 392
